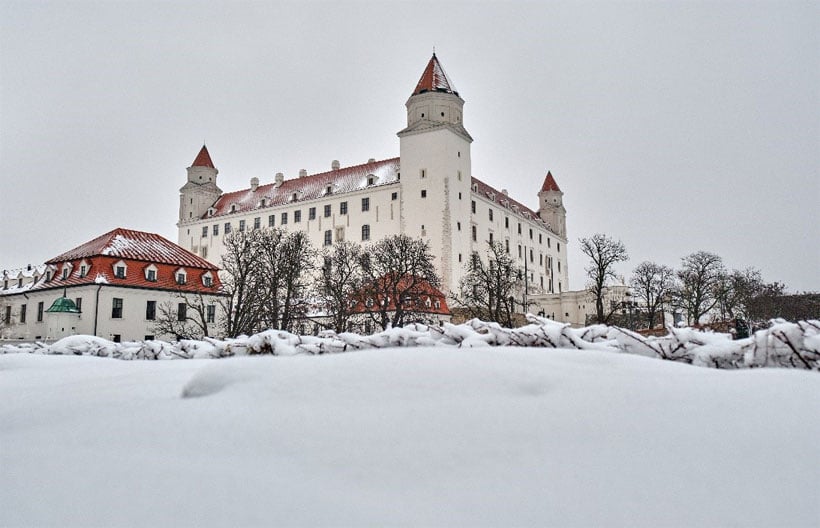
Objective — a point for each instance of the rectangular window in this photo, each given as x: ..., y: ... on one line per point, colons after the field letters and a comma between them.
x: 83, y: 271
x: 343, y: 208
x: 119, y: 272
x: 78, y: 302
x: 365, y: 232
x: 148, y: 338
x: 491, y: 238
x: 507, y: 222
x: 475, y: 233
x: 519, y: 250
x: 394, y: 196
x: 312, y: 213
x: 207, y: 282
x: 327, y: 211
x: 491, y: 215
x: 423, y: 173
x: 216, y: 229
x: 65, y: 276
x: 152, y: 276
x: 284, y: 219
x: 204, y: 231
x: 507, y: 245
x: 297, y: 216
x: 271, y: 220
x: 151, y: 310
x: 519, y: 228
x: 227, y: 228
x: 7, y: 316
x: 40, y: 312
x: 22, y: 313
x: 182, y: 311
x: 257, y: 223
x: 424, y: 193
x: 530, y: 234
x: 365, y: 204
x: 328, y: 237
x: 241, y: 226
x: 180, y: 278
x: 116, y: 308
x: 472, y: 206
x: 211, y: 313
x: 540, y: 239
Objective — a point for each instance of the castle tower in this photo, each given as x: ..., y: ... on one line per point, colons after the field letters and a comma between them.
x: 200, y: 191
x: 435, y: 172
x: 551, y: 206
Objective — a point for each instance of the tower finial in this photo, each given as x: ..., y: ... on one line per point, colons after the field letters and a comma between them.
x: 434, y: 50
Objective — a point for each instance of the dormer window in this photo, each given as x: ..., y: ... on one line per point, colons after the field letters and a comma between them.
x: 181, y: 276
x: 120, y: 270
x: 329, y: 189
x: 475, y: 187
x: 65, y: 273
x: 83, y: 269
x: 263, y: 202
x: 371, y: 179
x: 233, y: 208
x: 211, y: 211
x: 207, y: 280
x: 151, y: 273
x: 294, y: 197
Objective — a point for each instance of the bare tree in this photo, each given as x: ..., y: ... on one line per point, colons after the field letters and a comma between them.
x: 189, y: 318
x: 700, y: 276
x: 398, y: 273
x: 294, y: 265
x: 489, y: 288
x: 242, y: 282
x: 604, y: 253
x: 339, y: 282
x: 652, y: 283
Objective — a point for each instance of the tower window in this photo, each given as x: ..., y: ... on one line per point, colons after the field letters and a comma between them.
x: 423, y: 173
x: 472, y: 206
x: 394, y: 196
x: 424, y: 193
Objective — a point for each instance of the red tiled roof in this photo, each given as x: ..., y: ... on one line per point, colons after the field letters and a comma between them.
x: 203, y: 159
x: 309, y: 187
x: 504, y: 200
x: 135, y: 245
x: 423, y: 291
x: 100, y: 270
x: 434, y: 79
x: 549, y: 183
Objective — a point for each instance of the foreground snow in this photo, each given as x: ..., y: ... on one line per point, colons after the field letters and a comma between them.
x: 414, y: 436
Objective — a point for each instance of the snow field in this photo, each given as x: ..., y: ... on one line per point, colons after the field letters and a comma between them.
x: 433, y: 436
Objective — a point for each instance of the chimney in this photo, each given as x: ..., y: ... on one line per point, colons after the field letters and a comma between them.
x: 334, y: 164
x: 504, y: 192
x: 279, y: 179
x: 254, y: 184
x: 302, y: 173
x: 372, y: 160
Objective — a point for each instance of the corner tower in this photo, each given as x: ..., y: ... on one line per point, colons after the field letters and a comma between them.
x: 436, y: 171
x: 200, y: 191
x: 551, y: 206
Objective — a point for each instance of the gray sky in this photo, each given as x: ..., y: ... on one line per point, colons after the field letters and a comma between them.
x: 674, y: 126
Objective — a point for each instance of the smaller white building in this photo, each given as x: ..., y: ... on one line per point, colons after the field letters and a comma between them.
x: 115, y: 286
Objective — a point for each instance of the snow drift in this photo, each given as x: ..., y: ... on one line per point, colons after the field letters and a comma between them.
x: 783, y: 344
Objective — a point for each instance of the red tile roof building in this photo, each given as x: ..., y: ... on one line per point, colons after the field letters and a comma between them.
x: 428, y: 192
x: 118, y: 280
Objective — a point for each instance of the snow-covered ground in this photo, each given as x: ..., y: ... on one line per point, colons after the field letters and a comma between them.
x: 429, y: 436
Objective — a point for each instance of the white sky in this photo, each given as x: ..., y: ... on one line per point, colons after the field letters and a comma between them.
x: 674, y: 126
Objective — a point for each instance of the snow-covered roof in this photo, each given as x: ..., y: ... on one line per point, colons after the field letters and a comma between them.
x: 503, y: 200
x: 135, y: 245
x: 433, y: 79
x: 342, y: 180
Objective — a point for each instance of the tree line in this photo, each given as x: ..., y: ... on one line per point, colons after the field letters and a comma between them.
x: 702, y: 289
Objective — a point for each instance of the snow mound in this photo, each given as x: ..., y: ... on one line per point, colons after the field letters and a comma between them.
x: 783, y: 344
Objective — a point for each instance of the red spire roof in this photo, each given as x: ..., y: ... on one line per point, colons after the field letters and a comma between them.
x: 549, y: 183
x: 203, y: 159
x: 434, y: 79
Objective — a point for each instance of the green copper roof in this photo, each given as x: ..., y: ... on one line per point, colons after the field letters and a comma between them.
x: 63, y: 304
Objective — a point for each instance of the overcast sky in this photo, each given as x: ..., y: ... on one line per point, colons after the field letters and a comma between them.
x: 673, y: 126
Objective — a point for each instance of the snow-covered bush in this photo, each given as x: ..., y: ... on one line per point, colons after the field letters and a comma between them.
x: 783, y: 344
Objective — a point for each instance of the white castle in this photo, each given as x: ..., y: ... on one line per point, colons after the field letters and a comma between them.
x: 428, y: 192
